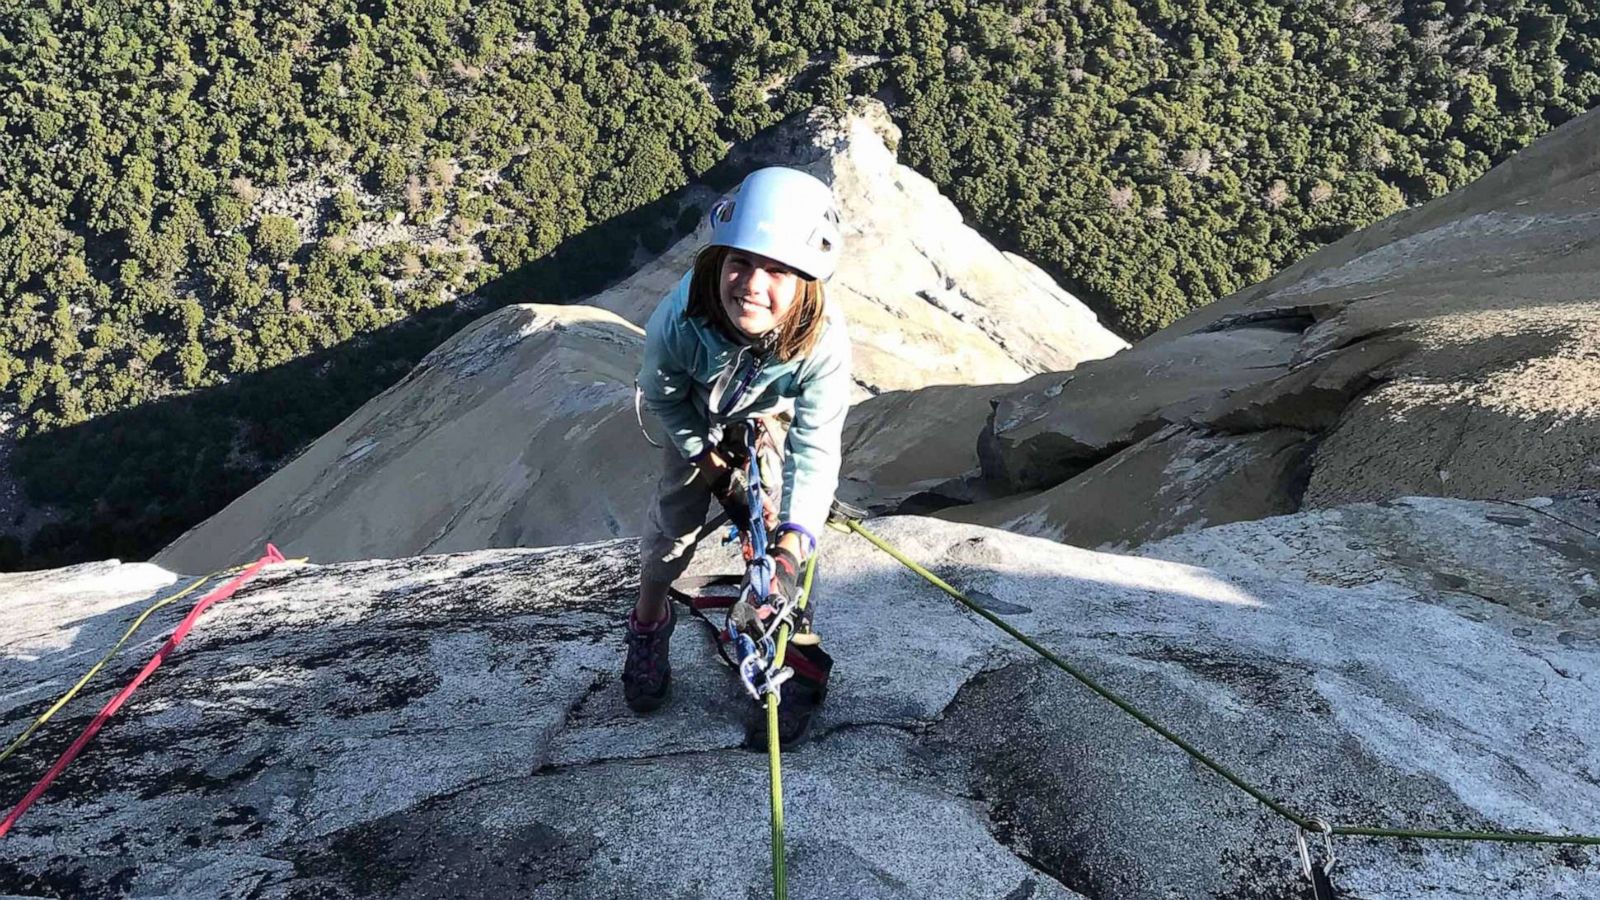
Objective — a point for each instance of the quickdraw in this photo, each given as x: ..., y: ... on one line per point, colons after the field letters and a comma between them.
x: 752, y: 623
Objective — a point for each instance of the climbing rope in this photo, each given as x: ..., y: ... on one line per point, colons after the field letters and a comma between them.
x: 780, y: 887
x: 221, y: 593
x: 95, y: 669
x: 770, y: 668
x: 758, y: 633
x: 1306, y: 825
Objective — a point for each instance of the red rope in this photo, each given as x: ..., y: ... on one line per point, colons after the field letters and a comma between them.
x: 221, y: 593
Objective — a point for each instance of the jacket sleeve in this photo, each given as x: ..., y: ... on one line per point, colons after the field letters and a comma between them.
x: 811, y: 465
x: 665, y: 381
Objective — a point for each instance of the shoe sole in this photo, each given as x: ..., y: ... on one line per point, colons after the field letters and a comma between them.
x: 649, y: 702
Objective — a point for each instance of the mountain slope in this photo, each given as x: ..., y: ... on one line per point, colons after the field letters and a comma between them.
x: 521, y: 431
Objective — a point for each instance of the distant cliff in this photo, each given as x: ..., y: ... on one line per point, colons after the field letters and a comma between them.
x: 521, y: 431
x: 1452, y: 350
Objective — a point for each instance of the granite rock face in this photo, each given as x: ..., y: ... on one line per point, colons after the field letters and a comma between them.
x: 518, y: 431
x: 1450, y: 350
x: 929, y: 300
x: 451, y: 726
x: 1189, y: 477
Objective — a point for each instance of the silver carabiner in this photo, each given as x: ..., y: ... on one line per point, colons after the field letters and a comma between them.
x: 775, y: 681
x: 1322, y: 827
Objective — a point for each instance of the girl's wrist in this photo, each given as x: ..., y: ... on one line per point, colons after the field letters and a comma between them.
x: 796, y: 540
x: 709, y: 461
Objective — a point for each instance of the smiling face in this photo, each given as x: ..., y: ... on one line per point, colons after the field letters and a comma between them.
x: 758, y: 293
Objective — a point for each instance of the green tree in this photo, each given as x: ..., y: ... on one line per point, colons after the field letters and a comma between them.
x: 277, y: 238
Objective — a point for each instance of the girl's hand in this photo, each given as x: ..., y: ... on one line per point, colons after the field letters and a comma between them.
x: 789, y: 541
x: 728, y: 486
x: 713, y: 468
x: 731, y: 490
x: 785, y: 574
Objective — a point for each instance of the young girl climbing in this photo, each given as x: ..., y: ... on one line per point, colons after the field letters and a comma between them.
x: 746, y: 340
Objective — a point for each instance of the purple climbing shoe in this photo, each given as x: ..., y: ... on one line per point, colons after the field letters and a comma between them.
x: 647, y: 673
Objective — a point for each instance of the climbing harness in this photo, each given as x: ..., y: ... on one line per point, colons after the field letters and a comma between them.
x: 1318, y: 872
x: 178, y: 634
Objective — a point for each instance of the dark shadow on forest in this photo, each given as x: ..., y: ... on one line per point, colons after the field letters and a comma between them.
x: 128, y: 483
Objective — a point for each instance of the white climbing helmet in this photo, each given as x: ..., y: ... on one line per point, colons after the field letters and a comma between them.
x: 783, y: 214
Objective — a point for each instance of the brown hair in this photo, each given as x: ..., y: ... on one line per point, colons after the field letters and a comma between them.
x: 795, y: 337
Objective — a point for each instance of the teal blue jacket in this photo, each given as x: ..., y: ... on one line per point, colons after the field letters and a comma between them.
x: 684, y: 359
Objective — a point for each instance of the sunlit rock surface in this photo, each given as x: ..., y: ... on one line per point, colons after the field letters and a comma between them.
x: 929, y: 300
x: 452, y: 726
x: 1450, y: 350
x: 520, y: 430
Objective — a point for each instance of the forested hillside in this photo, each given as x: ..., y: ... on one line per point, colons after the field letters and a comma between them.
x: 223, y: 199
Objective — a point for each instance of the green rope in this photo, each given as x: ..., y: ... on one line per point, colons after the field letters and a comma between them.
x: 1303, y: 822
x: 1508, y: 837
x: 780, y: 885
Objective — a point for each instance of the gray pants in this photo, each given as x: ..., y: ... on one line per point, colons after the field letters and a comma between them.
x: 677, y: 516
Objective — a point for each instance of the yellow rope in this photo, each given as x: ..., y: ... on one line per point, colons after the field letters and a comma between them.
x: 67, y: 697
